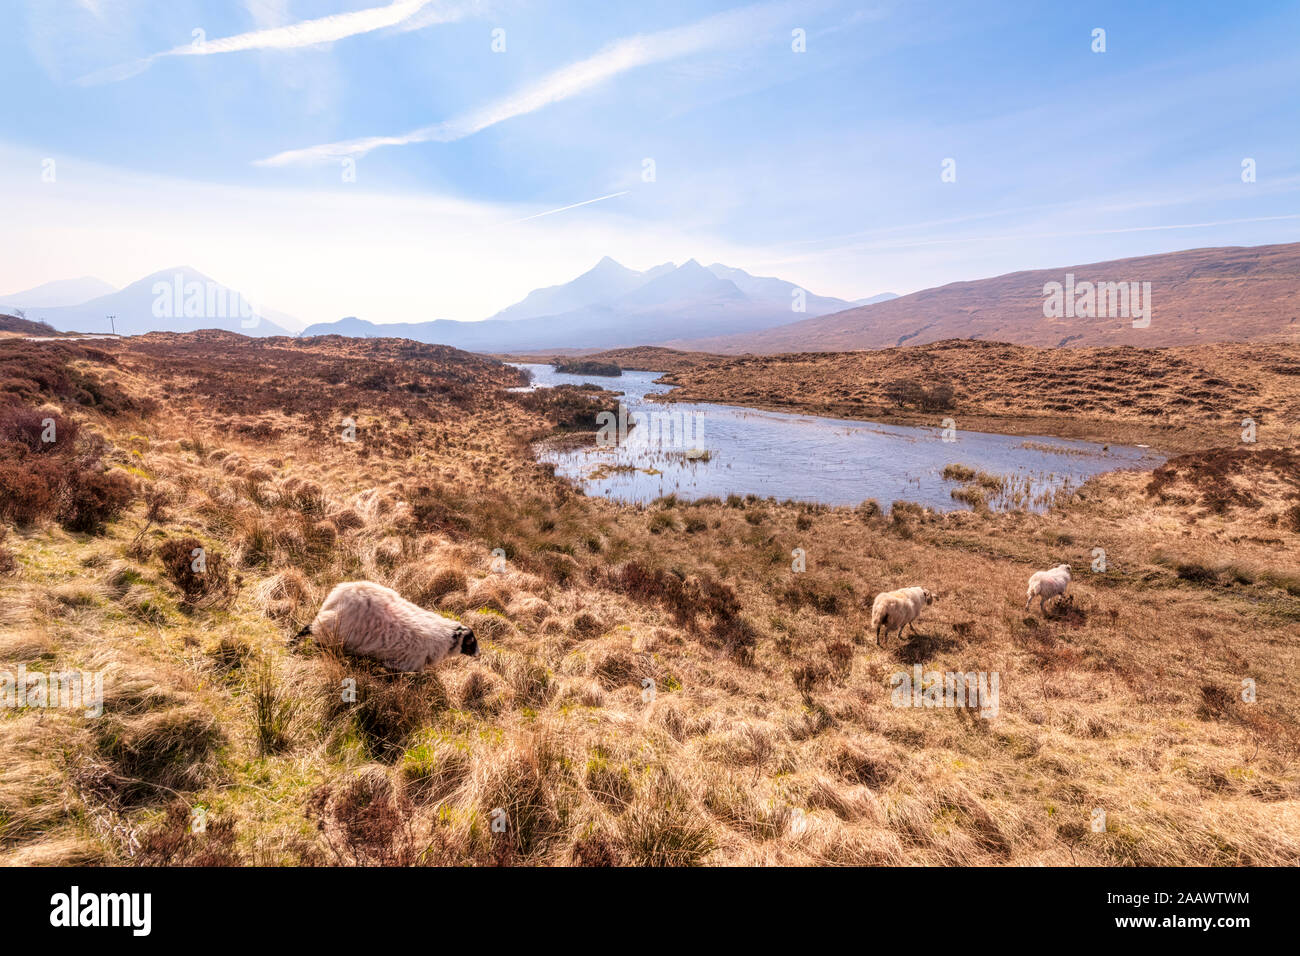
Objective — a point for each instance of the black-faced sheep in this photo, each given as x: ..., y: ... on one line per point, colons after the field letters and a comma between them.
x: 370, y: 620
x: 1047, y: 584
x: 894, y: 610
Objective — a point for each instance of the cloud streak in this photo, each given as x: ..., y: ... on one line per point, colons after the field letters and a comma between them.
x: 619, y: 57
x: 572, y: 205
x: 409, y: 14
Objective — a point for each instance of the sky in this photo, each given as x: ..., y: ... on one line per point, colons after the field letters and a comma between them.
x: 420, y: 159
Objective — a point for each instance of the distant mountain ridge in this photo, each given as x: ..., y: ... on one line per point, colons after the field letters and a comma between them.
x: 872, y: 300
x: 1246, y: 294
x: 611, y: 305
x: 180, y: 299
x: 607, y: 280
x: 608, y: 306
x: 61, y: 292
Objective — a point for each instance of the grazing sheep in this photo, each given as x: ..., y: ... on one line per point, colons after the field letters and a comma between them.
x: 1047, y: 584
x: 894, y: 610
x: 368, y: 619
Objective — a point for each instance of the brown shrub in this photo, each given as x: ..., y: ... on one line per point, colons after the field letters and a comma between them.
x: 28, y: 427
x: 365, y: 820
x: 566, y: 407
x: 908, y: 392
x: 1211, y: 472
x: 29, y: 488
x: 807, y: 593
x: 7, y: 562
x: 38, y: 371
x: 649, y: 585
x: 1291, y: 518
x: 1216, y: 703
x: 174, y: 842
x: 75, y: 489
x: 809, y: 676
x: 93, y: 497
x: 596, y: 849
x: 179, y: 558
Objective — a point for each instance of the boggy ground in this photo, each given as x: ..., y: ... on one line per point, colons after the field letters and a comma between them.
x: 1174, y: 399
x: 657, y: 685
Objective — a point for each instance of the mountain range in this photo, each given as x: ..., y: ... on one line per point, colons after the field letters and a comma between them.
x: 61, y: 292
x: 180, y: 299
x: 1248, y: 293
x: 611, y: 305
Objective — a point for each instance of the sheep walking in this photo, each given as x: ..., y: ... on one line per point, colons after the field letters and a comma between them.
x: 1047, y: 584
x: 894, y: 610
x: 370, y: 620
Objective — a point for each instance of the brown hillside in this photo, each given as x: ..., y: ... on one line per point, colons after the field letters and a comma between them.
x: 12, y: 325
x: 1236, y: 294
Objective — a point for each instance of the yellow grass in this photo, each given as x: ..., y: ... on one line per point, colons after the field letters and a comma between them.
x: 790, y: 750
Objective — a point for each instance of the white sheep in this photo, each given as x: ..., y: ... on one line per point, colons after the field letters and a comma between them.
x: 368, y: 619
x: 894, y: 610
x: 1047, y: 584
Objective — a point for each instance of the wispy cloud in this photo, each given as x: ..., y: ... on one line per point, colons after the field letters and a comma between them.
x: 619, y: 57
x: 572, y: 205
x: 339, y: 26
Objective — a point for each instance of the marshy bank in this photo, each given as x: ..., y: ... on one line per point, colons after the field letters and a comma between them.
x: 702, y: 450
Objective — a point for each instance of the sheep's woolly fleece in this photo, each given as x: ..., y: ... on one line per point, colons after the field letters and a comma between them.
x: 370, y: 620
x: 1048, y: 584
x: 894, y: 610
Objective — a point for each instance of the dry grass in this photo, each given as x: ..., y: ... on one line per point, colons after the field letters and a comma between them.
x: 650, y: 692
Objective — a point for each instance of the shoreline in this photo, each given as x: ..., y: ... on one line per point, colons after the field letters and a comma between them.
x: 1100, y: 432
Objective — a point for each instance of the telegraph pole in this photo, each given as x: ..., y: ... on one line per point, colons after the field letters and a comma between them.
x: 112, y: 323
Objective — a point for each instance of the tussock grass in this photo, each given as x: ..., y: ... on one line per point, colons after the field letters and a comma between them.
x: 657, y: 686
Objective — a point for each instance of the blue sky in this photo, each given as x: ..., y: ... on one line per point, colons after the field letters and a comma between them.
x: 822, y: 166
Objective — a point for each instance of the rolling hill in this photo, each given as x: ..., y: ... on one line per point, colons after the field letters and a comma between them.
x: 1232, y: 294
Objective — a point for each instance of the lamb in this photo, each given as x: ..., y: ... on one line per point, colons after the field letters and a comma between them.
x: 368, y: 619
x: 894, y: 610
x: 1047, y: 584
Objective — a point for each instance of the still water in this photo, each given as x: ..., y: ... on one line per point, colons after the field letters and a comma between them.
x: 806, y: 458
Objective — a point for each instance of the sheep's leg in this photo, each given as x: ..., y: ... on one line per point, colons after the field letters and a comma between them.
x: 878, y: 627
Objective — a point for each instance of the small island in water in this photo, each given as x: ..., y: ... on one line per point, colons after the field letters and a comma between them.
x: 579, y: 366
